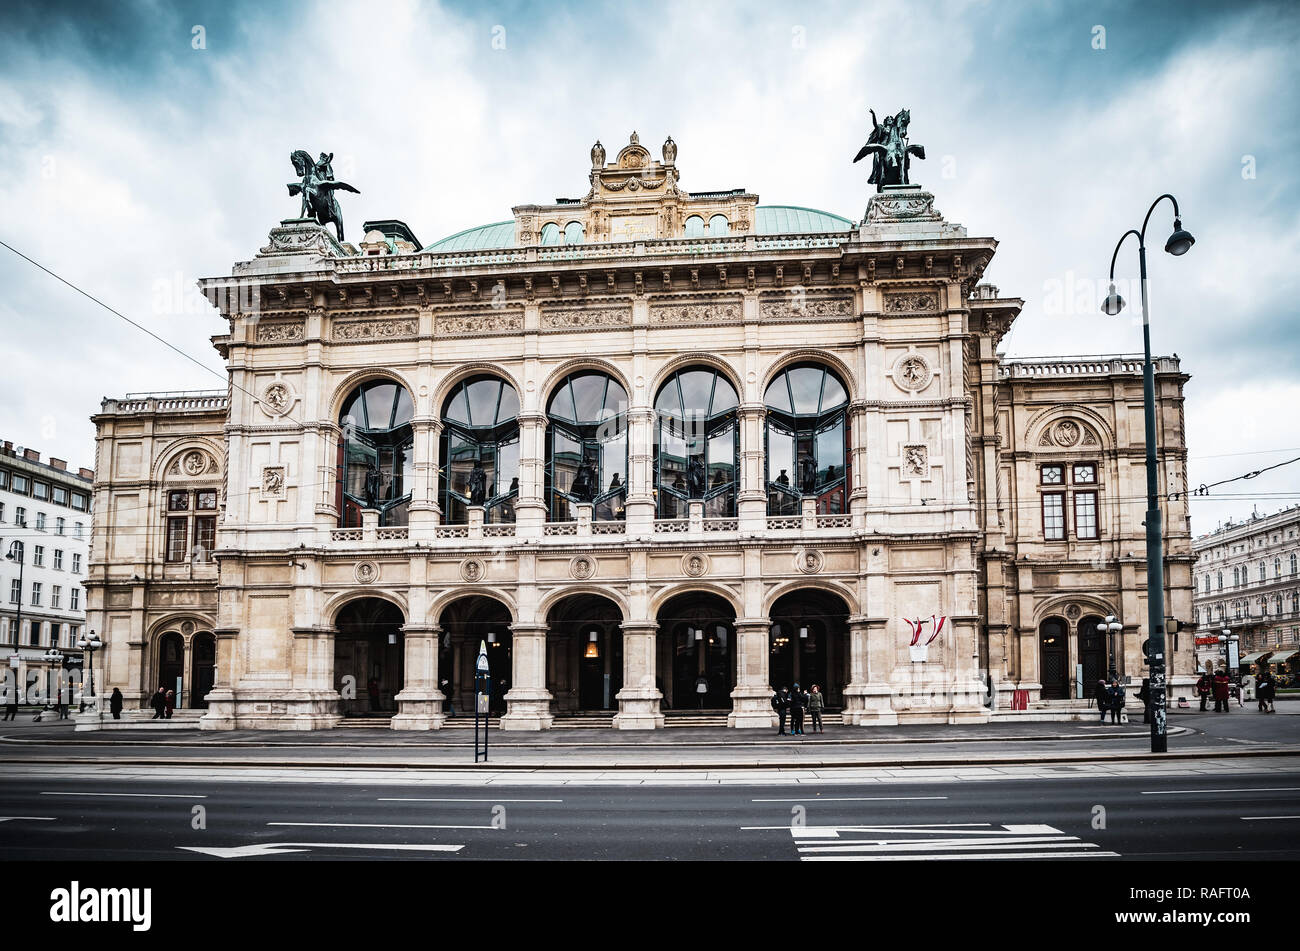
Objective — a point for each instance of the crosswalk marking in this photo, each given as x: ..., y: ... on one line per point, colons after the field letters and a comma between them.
x: 964, y: 840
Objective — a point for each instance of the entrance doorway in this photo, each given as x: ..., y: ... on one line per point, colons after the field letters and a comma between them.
x: 368, y: 656
x: 171, y: 664
x: 1092, y: 654
x: 1053, y: 654
x: 697, y: 652
x: 203, y: 668
x: 584, y: 654
x: 808, y: 643
x: 466, y: 623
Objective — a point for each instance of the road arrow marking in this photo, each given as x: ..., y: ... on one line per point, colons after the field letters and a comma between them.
x: 278, y: 848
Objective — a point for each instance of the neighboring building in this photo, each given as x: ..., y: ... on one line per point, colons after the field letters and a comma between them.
x: 1247, y: 579
x: 657, y: 450
x: 45, y: 519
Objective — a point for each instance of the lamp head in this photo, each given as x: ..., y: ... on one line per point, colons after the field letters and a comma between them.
x: 1113, y: 303
x: 1180, y: 242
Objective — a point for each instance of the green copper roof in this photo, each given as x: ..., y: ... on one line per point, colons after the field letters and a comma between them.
x: 772, y: 219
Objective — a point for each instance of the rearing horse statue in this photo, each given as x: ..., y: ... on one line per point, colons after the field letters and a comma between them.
x: 317, y: 189
x: 891, y: 155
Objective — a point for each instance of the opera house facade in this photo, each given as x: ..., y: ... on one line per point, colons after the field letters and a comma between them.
x: 658, y: 450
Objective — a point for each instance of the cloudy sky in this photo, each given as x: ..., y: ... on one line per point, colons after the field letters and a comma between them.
x: 144, y: 145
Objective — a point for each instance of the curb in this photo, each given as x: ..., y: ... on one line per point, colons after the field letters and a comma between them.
x: 691, y: 767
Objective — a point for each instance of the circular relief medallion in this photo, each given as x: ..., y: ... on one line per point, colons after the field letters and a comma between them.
x: 1073, y: 612
x: 1066, y: 433
x: 473, y: 569
x: 912, y: 372
x: 277, y: 398
x: 194, y: 463
x: 366, y: 572
x: 187, y: 628
x: 809, y: 560
x: 695, y: 565
x: 582, y: 567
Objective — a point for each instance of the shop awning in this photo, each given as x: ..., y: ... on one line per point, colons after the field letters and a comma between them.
x: 1252, y: 657
x: 1283, y: 656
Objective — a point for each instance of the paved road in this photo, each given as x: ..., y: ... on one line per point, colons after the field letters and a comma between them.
x: 1089, y: 814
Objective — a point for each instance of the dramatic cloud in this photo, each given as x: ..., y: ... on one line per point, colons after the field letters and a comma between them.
x: 134, y: 163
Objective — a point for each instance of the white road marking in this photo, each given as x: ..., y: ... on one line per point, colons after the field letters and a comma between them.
x: 420, y: 799
x: 963, y: 840
x: 1189, y: 792
x: 964, y: 855
x: 31, y: 818
x: 368, y: 825
x: 1257, y: 818
x: 813, y: 799
x: 129, y: 795
x: 945, y: 845
x: 276, y: 848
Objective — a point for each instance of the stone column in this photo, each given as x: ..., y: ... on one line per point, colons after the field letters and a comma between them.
x: 530, y: 507
x: 868, y: 697
x: 419, y: 704
x: 640, y: 507
x: 424, y: 510
x: 751, y: 504
x: 638, y: 701
x: 313, y: 703
x: 221, y: 699
x: 528, y: 702
x: 751, y: 701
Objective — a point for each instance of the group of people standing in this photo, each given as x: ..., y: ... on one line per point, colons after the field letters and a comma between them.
x: 792, y: 702
x: 1110, y: 698
x: 163, y: 703
x: 1220, y: 686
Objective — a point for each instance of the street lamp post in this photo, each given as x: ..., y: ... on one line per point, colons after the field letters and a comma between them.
x: 1109, y: 628
x: 1179, y: 243
x: 16, y: 554
x: 89, y: 643
x: 54, y: 658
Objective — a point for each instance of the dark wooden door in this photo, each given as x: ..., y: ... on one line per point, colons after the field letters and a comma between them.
x: 1054, y: 655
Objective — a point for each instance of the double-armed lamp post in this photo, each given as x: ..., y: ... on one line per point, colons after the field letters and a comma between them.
x: 1179, y: 243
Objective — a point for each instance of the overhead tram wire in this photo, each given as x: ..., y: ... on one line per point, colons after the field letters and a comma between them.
x: 117, y: 313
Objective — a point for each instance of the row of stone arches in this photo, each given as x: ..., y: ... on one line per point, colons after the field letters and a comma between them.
x: 695, y: 662
x: 185, y: 660
x: 1073, y: 655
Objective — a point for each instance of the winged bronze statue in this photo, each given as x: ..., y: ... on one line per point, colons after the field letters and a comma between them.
x: 317, y: 189
x: 891, y: 154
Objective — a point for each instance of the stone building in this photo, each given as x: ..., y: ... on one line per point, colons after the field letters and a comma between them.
x: 45, y: 520
x: 657, y: 450
x: 1247, y: 580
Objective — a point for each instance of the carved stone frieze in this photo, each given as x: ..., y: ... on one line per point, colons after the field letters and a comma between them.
x: 487, y: 322
x: 695, y: 313
x: 586, y: 317
x: 801, y: 305
x: 377, y: 329
x: 916, y: 302
x: 280, y: 331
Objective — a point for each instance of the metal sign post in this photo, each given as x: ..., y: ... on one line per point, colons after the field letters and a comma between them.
x: 482, y: 699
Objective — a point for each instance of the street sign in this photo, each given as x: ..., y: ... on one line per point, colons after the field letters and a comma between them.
x: 482, y: 699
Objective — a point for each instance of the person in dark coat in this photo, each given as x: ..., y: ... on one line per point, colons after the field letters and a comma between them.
x: 1205, y: 687
x: 1103, y: 698
x: 1221, y: 691
x: 798, y: 700
x: 115, y: 704
x: 159, y: 703
x: 169, y: 704
x: 1265, y: 692
x: 1115, y: 700
x: 1144, y: 694
x: 781, y: 704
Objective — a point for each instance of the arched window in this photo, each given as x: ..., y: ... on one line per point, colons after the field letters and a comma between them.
x: 375, y: 469
x: 807, y: 440
x: 1236, y: 580
x: 1263, y: 571
x: 573, y: 233
x: 1277, y: 567
x: 695, y: 227
x: 1295, y: 563
x: 1207, y: 582
x: 551, y: 233
x: 1220, y: 580
x: 586, y: 447
x: 697, y: 444
x: 480, y: 450
x: 1295, y: 602
x: 719, y: 227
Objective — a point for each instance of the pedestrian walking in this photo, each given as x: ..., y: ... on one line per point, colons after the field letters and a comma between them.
x: 1205, y: 687
x: 1144, y: 694
x: 701, y: 688
x: 159, y: 703
x: 816, y: 704
x: 1265, y: 692
x: 1103, y: 695
x: 798, y: 700
x: 1221, y: 685
x: 115, y: 703
x: 781, y: 704
x: 1115, y: 700
x: 11, y: 695
x: 169, y: 703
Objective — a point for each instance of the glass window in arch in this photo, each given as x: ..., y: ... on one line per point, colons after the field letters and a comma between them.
x: 551, y: 234
x: 586, y: 447
x: 573, y: 233
x: 697, y: 444
x: 375, y: 466
x: 807, y: 440
x: 480, y: 450
x: 719, y: 227
x: 695, y: 227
